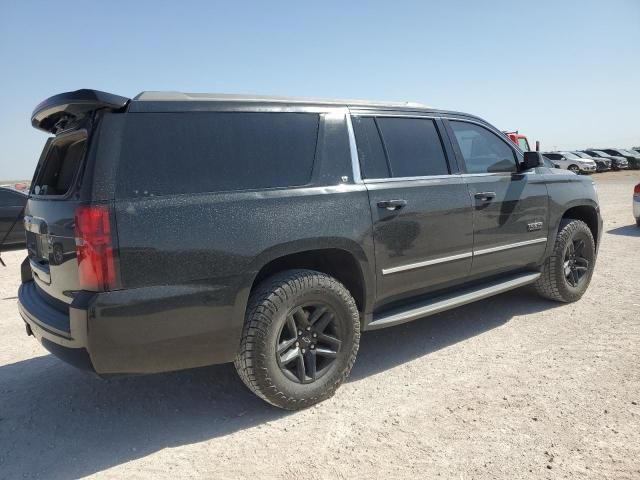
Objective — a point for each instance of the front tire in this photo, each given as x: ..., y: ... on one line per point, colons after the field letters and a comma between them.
x: 300, y: 339
x: 567, y: 272
x: 574, y: 169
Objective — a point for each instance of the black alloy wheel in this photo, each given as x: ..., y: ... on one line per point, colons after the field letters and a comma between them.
x: 308, y: 343
x: 575, y: 265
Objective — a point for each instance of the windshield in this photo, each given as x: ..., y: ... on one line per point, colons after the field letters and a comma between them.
x: 601, y: 153
x: 581, y: 154
x: 630, y: 153
x: 570, y: 155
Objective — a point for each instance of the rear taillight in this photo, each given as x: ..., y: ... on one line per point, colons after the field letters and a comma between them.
x: 636, y: 190
x: 94, y: 248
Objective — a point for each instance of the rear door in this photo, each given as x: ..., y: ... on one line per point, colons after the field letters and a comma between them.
x: 420, y: 205
x: 510, y: 211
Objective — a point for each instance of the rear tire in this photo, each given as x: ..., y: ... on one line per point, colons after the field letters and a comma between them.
x: 300, y: 339
x: 567, y: 272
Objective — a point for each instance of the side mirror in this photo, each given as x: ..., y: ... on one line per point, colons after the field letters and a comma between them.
x: 531, y: 160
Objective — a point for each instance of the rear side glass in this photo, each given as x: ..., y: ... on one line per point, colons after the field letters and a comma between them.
x: 413, y: 147
x: 483, y: 151
x: 175, y: 153
x: 59, y: 168
x: 373, y: 162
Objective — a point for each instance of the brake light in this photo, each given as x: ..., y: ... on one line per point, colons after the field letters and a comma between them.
x: 94, y: 249
x: 636, y: 190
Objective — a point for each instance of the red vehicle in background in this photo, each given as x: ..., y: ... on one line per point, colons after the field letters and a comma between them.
x: 521, y: 141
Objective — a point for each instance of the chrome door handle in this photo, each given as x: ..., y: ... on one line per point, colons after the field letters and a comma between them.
x: 392, y: 204
x: 485, y: 196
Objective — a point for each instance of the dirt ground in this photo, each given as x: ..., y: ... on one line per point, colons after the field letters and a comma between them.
x: 511, y: 387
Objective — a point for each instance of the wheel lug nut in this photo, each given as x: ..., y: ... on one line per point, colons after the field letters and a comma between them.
x: 315, y: 335
x: 303, y: 350
x: 312, y: 347
x: 308, y: 328
x: 297, y: 344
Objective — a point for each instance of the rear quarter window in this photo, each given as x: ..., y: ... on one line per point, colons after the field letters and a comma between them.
x: 175, y: 153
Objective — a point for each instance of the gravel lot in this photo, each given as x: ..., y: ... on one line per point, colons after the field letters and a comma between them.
x: 510, y: 387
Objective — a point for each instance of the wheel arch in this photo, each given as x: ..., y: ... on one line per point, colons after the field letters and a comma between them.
x: 341, y: 258
x: 586, y: 213
x: 338, y: 263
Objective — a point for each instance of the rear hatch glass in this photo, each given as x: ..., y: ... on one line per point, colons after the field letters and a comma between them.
x: 61, y: 165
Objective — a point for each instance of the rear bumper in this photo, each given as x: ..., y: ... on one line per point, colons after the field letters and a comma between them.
x: 145, y: 330
x: 66, y: 329
x: 636, y: 207
x: 63, y: 334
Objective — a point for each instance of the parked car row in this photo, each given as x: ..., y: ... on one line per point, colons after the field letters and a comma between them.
x: 595, y: 160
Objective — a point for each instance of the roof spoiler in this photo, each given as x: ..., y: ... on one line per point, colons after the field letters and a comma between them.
x: 55, y: 113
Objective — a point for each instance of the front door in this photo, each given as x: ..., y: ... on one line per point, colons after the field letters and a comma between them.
x: 420, y: 206
x: 510, y: 213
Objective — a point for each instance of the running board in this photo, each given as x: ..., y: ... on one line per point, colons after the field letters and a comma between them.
x: 420, y: 309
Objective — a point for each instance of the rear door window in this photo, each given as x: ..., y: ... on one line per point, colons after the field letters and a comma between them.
x: 482, y: 150
x: 174, y: 153
x: 411, y: 147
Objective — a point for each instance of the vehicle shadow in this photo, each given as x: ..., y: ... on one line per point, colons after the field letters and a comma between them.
x: 59, y: 423
x: 627, y: 230
x: 384, y: 349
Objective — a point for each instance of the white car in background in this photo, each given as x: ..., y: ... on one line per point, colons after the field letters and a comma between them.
x: 571, y: 161
x: 636, y: 203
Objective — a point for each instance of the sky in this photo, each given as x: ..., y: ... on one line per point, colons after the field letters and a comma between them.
x: 566, y: 73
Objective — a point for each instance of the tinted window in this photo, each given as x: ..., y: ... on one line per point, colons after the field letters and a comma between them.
x: 553, y: 156
x: 167, y: 153
x: 482, y: 150
x: 373, y: 162
x: 413, y: 147
x: 59, y: 168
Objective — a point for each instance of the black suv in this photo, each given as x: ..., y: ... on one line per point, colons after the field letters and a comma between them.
x: 176, y: 230
x: 633, y: 158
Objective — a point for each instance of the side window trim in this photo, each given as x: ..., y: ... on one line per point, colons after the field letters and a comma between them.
x: 458, y: 153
